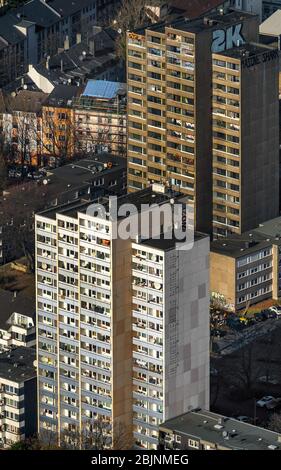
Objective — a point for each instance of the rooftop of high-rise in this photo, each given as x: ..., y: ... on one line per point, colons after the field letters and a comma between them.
x: 209, y: 22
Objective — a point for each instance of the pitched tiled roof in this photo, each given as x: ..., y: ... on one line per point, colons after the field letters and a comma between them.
x: 27, y: 101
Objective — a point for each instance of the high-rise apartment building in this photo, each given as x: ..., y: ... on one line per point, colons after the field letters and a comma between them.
x: 245, y: 138
x: 84, y: 333
x: 169, y: 69
x: 123, y: 325
x: 170, y: 301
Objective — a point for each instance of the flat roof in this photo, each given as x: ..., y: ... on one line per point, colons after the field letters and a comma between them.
x: 144, y: 196
x: 86, y: 170
x: 245, y: 51
x: 241, y: 245
x: 165, y: 244
x: 270, y: 228
x: 207, y: 426
x: 195, y: 8
x: 200, y: 24
x: 266, y: 234
x: 17, y: 364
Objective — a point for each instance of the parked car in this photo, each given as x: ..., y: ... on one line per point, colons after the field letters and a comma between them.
x: 260, y: 316
x: 269, y: 380
x: 35, y: 175
x: 276, y: 309
x: 234, y: 323
x: 275, y: 403
x: 269, y: 313
x: 244, y: 419
x: 217, y: 332
x: 264, y: 401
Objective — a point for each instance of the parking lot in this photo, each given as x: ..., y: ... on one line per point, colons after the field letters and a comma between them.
x: 230, y: 332
x: 249, y: 372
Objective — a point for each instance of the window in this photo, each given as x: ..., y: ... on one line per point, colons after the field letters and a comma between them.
x: 193, y: 444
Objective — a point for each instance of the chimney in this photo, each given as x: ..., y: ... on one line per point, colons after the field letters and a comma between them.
x: 92, y: 46
x: 78, y: 38
x: 61, y: 65
x: 66, y: 43
x: 15, y: 294
x: 48, y: 62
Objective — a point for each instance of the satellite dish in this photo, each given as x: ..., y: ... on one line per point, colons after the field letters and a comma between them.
x: 45, y: 182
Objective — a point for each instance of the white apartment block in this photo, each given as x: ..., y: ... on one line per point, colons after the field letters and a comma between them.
x: 170, y: 322
x: 79, y: 280
x: 18, y: 406
x: 123, y: 326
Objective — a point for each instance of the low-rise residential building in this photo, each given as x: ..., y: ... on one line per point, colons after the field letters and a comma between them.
x: 17, y: 320
x: 94, y: 58
x: 58, y: 132
x: 87, y: 178
x: 18, y: 399
x: 203, y: 430
x: 246, y: 269
x: 39, y: 28
x: 100, y: 118
x: 21, y: 124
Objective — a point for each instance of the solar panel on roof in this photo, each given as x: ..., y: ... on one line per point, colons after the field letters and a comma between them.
x: 101, y: 89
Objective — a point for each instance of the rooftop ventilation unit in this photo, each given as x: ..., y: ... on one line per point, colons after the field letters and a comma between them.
x: 218, y: 427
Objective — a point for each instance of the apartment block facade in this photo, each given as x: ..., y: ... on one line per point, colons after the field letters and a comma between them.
x: 119, y: 339
x: 18, y: 403
x: 75, y: 325
x: 100, y: 118
x: 245, y: 138
x: 246, y: 269
x: 170, y: 333
x: 169, y: 103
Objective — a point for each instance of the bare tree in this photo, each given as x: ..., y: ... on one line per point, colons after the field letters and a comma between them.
x: 17, y: 211
x: 274, y: 423
x: 93, y: 141
x: 246, y: 372
x: 23, y: 134
x: 95, y: 436
x: 3, y: 172
x: 57, y: 138
x: 130, y: 17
